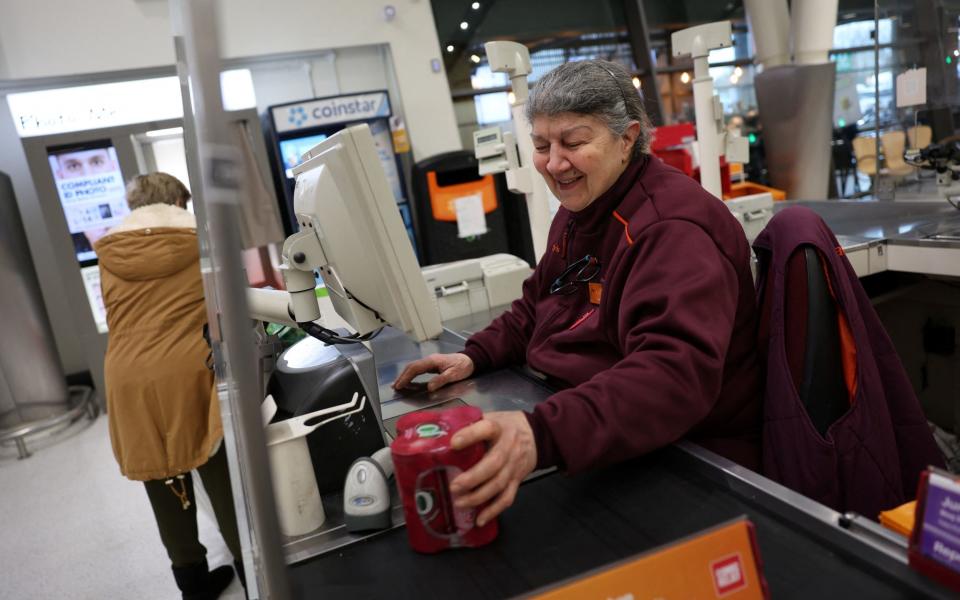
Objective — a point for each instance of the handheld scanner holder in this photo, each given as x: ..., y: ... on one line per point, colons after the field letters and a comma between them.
x: 366, y: 494
x: 514, y: 60
x: 298, y: 427
x: 700, y: 40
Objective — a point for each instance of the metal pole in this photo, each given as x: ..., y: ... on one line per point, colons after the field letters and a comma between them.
x: 876, y: 93
x: 215, y: 172
x: 643, y: 57
x: 770, y: 27
x: 538, y: 196
x: 812, y: 23
x: 707, y: 137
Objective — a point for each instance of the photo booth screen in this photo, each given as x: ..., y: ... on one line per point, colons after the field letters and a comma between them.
x: 91, y: 190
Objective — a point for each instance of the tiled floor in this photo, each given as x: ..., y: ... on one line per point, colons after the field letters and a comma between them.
x: 72, y: 527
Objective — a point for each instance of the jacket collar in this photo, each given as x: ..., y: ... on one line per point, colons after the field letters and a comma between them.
x: 156, y: 215
x: 599, y: 211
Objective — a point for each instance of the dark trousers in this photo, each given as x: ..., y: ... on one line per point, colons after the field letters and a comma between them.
x: 178, y: 527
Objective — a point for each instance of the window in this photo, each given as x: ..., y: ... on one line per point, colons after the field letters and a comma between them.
x: 856, y: 73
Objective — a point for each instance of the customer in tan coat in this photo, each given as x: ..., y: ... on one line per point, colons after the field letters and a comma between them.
x: 163, y: 413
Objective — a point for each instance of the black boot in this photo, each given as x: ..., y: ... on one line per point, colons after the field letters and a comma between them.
x: 197, y: 583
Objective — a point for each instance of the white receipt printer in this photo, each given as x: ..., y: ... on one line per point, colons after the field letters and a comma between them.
x: 467, y: 287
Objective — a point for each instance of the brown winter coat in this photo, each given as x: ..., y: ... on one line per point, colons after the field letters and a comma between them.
x: 163, y: 413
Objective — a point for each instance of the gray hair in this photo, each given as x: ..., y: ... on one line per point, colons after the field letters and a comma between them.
x: 156, y: 188
x: 599, y: 88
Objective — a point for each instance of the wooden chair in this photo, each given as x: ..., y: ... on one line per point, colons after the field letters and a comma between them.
x: 920, y: 136
x: 894, y: 143
x: 865, y: 151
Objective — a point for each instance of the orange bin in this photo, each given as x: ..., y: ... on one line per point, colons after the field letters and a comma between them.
x: 746, y: 188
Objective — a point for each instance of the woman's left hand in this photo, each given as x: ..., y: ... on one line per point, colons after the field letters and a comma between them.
x: 511, y: 456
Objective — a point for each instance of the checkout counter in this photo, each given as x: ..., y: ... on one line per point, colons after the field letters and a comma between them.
x: 562, y: 526
x: 909, y: 237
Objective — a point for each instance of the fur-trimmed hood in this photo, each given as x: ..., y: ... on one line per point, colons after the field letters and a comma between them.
x: 152, y: 242
x: 156, y: 215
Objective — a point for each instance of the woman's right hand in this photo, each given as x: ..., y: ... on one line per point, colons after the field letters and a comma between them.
x: 451, y: 368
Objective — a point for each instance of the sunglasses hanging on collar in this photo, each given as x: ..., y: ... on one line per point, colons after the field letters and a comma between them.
x: 582, y: 271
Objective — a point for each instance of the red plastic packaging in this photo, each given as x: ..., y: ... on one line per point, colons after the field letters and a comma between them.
x: 424, y: 464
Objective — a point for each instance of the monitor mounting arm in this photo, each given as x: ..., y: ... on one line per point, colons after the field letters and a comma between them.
x: 302, y: 256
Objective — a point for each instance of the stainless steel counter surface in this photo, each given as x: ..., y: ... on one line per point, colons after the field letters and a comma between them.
x: 855, y: 242
x: 902, y: 223
x: 497, y: 390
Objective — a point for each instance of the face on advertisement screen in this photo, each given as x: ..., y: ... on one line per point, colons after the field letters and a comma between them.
x: 85, y: 162
x: 91, y: 190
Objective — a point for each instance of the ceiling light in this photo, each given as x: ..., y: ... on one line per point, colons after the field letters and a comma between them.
x: 475, y: 58
x: 636, y: 82
x: 475, y: 6
x: 738, y: 71
x: 464, y: 25
x: 450, y: 48
x: 511, y: 98
x: 685, y: 77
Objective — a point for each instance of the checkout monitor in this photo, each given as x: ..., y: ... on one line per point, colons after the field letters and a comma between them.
x: 343, y: 193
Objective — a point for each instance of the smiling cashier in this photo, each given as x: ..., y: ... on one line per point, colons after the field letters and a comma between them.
x: 641, y: 313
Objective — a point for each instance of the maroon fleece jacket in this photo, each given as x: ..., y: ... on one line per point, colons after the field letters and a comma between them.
x: 670, y: 350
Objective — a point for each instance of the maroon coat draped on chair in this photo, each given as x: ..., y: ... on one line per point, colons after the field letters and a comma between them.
x: 871, y: 457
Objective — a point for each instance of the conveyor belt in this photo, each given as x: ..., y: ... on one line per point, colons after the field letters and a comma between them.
x: 561, y: 526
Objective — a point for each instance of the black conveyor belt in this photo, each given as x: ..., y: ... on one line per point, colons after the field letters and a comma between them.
x: 562, y: 526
